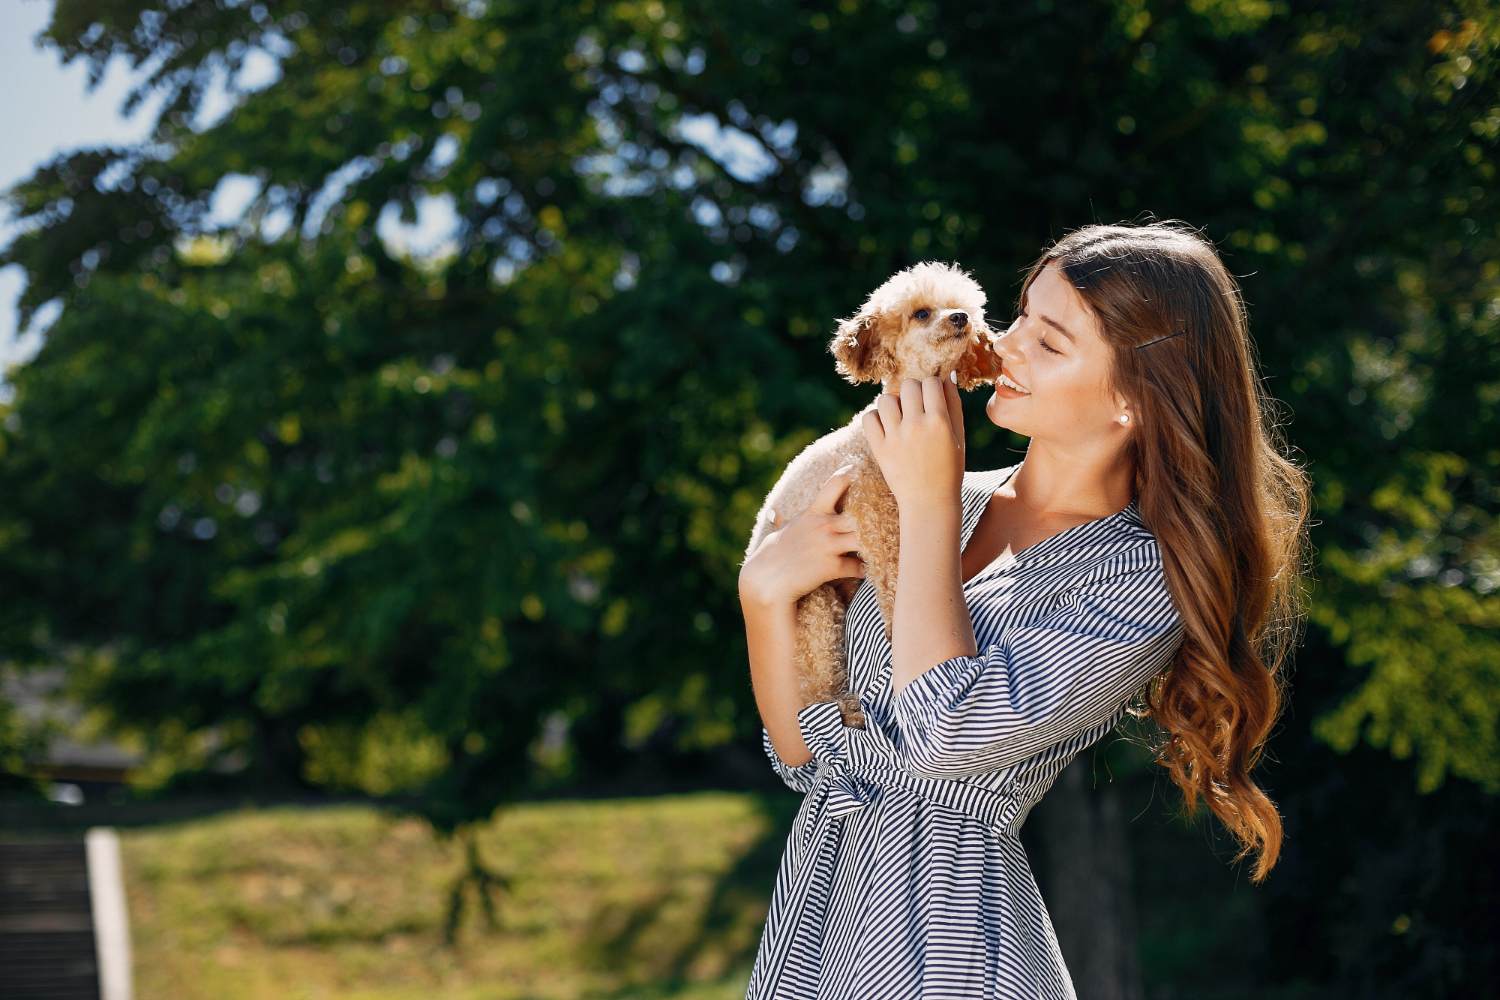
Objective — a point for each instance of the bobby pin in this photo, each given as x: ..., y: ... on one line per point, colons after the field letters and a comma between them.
x: 1158, y: 340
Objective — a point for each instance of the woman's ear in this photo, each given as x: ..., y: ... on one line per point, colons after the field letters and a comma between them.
x: 980, y: 365
x: 856, y: 347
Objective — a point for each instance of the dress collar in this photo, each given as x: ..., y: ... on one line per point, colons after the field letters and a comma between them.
x: 976, y: 491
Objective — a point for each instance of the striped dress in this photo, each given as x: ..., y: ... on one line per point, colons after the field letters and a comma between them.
x: 903, y: 876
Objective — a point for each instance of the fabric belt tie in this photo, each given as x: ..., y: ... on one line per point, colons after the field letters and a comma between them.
x: 846, y: 787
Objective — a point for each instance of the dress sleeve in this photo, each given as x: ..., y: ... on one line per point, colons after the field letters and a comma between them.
x: 1044, y: 682
x: 798, y: 779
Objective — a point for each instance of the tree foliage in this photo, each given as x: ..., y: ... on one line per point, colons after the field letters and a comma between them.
x: 466, y: 517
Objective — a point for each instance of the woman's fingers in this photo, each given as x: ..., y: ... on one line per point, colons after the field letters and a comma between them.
x: 805, y: 550
x: 933, y: 399
x: 912, y: 402
x: 882, y: 423
x: 955, y: 412
x: 828, y: 497
x: 940, y: 400
x: 850, y: 566
x: 839, y: 543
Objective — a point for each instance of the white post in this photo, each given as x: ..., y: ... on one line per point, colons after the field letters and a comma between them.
x: 107, y: 899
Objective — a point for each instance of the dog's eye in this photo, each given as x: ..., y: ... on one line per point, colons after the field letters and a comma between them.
x: 920, y: 314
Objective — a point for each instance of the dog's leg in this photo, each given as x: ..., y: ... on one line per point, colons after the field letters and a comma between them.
x: 821, y: 665
x: 879, y: 523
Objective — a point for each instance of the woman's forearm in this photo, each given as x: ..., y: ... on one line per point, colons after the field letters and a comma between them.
x: 931, y: 622
x: 771, y: 632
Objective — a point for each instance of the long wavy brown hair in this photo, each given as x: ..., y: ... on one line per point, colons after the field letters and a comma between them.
x: 1214, y: 485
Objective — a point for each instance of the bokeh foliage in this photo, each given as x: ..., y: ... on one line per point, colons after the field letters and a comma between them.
x: 310, y: 495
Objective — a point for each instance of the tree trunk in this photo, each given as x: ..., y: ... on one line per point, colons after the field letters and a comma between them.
x: 1086, y: 880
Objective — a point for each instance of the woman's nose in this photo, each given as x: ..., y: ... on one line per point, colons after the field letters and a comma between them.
x: 1003, y: 343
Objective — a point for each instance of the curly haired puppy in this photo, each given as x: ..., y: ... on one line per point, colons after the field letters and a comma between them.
x: 926, y: 320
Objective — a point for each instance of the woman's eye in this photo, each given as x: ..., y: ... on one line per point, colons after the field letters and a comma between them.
x: 1048, y: 347
x: 920, y: 314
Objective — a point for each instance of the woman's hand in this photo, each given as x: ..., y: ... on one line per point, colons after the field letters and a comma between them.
x: 804, y: 553
x: 918, y: 439
x: 790, y: 562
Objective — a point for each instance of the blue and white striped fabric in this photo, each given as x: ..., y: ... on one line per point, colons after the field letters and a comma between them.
x: 903, y: 876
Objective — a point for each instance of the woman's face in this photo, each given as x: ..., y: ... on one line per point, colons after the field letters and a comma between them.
x: 1059, y: 365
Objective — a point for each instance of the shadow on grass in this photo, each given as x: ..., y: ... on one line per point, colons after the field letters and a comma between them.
x: 709, y: 958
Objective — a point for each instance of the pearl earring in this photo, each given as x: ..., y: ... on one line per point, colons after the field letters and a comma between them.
x: 1124, y: 418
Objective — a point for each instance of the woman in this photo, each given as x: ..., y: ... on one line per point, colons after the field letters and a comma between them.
x: 1145, y: 552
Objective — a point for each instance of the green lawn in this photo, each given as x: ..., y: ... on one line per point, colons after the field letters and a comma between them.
x: 647, y: 898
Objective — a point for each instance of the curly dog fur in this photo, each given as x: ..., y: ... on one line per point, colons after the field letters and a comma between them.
x: 925, y: 320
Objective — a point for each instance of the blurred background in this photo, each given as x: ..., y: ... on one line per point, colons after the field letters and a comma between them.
x: 391, y: 386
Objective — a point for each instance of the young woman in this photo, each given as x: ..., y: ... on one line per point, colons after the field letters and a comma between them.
x: 1145, y: 552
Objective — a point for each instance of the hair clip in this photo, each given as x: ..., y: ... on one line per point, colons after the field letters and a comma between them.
x: 1158, y: 340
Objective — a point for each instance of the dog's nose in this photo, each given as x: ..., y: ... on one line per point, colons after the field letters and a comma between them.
x: 959, y: 319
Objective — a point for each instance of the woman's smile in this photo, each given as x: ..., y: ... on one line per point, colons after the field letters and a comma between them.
x: 1008, y: 388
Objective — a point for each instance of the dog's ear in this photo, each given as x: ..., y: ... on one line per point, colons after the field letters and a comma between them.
x: 858, y: 349
x: 980, y: 365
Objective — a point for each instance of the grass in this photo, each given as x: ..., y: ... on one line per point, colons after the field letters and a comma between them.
x: 641, y: 899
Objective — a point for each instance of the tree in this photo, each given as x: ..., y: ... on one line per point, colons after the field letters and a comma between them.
x: 288, y: 489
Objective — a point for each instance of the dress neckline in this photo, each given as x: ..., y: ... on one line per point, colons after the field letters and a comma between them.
x: 977, y: 498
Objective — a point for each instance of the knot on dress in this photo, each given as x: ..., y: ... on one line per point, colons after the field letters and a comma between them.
x: 846, y: 786
x: 825, y: 734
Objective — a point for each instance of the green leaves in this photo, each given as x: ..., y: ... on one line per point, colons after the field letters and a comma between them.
x: 313, y: 472
x: 1417, y: 606
x: 1432, y: 653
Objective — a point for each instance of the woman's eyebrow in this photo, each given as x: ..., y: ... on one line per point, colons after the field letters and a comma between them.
x: 1058, y: 327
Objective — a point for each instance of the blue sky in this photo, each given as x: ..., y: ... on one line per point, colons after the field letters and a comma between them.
x: 47, y: 111
x: 50, y: 110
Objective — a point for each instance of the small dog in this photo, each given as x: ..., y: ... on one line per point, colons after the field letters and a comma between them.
x: 926, y: 320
